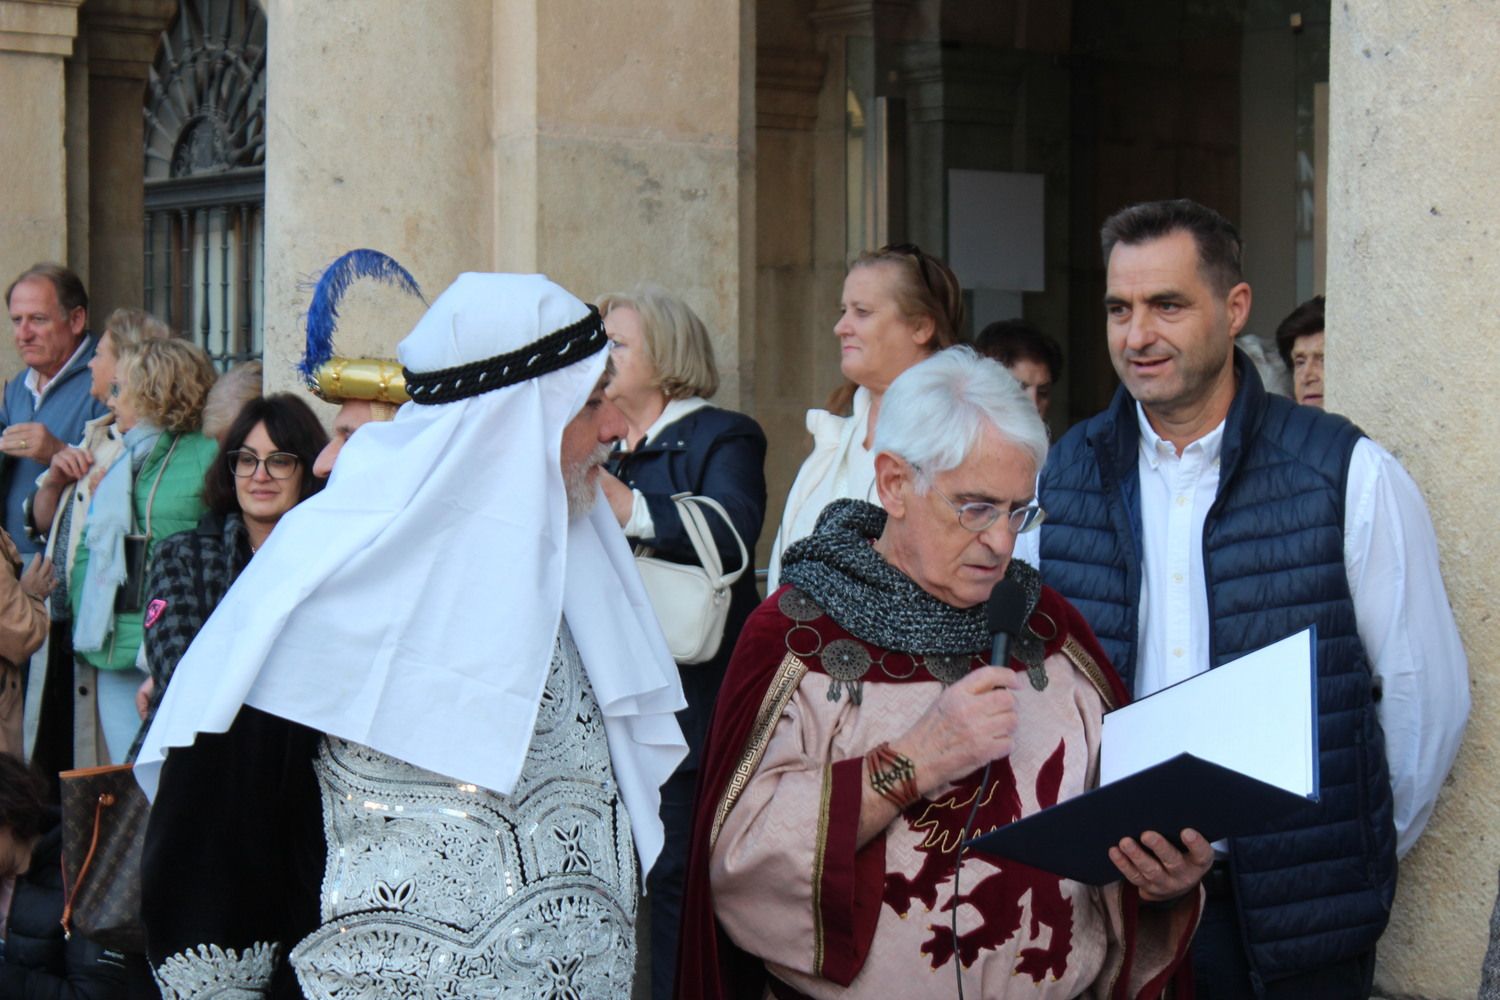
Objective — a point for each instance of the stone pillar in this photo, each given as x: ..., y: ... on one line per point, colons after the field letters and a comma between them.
x: 602, y: 144
x: 624, y: 153
x: 378, y: 135
x: 799, y: 239
x: 1413, y: 245
x: 122, y: 39
x: 36, y: 37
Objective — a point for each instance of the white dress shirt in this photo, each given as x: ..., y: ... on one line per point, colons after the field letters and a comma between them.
x: 1400, y: 606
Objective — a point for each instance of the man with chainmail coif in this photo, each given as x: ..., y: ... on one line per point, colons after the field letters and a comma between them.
x: 416, y: 750
x: 859, y: 724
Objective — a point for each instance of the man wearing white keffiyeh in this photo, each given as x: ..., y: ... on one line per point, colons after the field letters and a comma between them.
x: 438, y: 693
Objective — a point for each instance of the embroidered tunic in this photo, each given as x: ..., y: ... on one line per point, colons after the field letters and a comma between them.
x: 436, y: 889
x: 799, y: 905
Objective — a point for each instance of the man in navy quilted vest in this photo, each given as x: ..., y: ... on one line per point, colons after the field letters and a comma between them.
x: 1199, y: 518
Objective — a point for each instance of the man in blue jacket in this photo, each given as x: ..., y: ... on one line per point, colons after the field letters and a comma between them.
x: 47, y: 403
x: 1199, y: 518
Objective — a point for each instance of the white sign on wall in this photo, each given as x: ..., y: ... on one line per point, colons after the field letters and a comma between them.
x: 996, y: 230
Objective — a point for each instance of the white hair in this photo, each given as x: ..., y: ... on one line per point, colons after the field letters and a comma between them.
x: 934, y: 412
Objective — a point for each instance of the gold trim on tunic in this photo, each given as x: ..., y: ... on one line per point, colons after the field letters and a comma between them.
x: 780, y: 692
x: 1074, y: 651
x: 819, y: 851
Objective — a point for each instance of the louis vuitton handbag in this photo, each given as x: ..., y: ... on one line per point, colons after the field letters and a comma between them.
x: 104, y: 816
x: 692, y: 602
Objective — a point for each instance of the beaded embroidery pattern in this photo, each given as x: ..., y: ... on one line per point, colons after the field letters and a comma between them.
x: 438, y: 889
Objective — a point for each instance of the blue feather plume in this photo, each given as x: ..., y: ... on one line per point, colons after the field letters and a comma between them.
x: 323, y: 312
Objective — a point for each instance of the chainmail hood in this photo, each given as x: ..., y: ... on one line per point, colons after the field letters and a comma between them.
x: 838, y: 567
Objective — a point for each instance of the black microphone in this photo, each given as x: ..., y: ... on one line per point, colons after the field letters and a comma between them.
x: 1006, y: 612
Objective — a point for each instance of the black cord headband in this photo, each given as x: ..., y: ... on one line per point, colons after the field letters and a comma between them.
x: 554, y: 351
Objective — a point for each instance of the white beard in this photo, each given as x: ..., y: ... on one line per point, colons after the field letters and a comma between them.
x: 582, y: 490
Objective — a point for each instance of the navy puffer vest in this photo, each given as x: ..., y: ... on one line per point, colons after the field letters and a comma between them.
x: 1319, y: 888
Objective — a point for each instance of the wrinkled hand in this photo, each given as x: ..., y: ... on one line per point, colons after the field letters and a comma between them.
x: 30, y: 440
x: 39, y: 578
x: 621, y: 499
x: 1159, y: 870
x: 972, y: 723
x: 69, y: 465
x: 143, y: 697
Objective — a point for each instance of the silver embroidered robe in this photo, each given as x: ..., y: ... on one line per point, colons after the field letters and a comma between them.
x: 434, y: 888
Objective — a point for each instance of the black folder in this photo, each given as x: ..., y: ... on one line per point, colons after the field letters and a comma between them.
x: 1181, y: 789
x: 1073, y: 838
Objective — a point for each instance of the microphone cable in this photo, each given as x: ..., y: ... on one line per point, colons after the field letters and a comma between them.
x: 958, y: 867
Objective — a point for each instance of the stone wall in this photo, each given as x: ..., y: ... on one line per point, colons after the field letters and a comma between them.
x: 35, y: 41
x: 1414, y: 237
x: 600, y: 144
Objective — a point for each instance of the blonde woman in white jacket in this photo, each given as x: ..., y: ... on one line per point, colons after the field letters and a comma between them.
x: 899, y: 305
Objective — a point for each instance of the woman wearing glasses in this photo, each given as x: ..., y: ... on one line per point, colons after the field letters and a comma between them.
x: 264, y: 470
x: 899, y: 306
x: 148, y: 492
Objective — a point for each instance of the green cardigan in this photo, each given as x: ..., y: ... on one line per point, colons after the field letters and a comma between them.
x: 177, y: 507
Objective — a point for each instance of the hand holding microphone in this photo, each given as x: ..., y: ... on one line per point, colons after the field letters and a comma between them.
x: 974, y: 720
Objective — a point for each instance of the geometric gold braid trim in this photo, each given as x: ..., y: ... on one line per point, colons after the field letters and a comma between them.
x: 1073, y: 650
x: 780, y: 692
x: 819, y: 853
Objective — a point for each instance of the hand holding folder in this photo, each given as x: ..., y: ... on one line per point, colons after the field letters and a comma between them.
x: 1223, y: 753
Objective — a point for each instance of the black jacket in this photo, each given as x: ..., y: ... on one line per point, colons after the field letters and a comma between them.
x: 39, y: 964
x: 719, y: 454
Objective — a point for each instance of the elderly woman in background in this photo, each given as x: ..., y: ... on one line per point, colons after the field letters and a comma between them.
x: 228, y: 397
x: 898, y: 307
x: 265, y: 468
x: 150, y: 491
x: 57, y: 512
x: 678, y: 443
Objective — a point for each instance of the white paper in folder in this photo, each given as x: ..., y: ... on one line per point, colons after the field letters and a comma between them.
x: 1254, y: 714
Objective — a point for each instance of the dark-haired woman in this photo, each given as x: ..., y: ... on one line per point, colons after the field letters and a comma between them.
x: 898, y: 307
x: 264, y: 470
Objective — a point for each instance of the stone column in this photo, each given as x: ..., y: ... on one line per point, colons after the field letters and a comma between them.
x: 624, y: 151
x: 122, y: 39
x: 36, y: 37
x: 800, y: 227
x: 1413, y: 300
x: 378, y: 135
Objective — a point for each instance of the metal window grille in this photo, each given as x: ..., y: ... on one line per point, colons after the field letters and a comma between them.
x: 205, y: 262
x: 205, y: 178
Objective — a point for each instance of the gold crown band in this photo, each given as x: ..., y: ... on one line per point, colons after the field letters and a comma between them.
x: 339, y: 380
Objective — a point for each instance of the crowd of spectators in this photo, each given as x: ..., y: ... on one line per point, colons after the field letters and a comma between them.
x: 849, y: 722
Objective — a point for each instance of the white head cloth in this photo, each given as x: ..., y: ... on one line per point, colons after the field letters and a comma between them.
x: 412, y: 605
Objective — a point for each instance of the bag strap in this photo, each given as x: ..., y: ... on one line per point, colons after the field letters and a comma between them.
x: 105, y: 799
x: 698, y: 532
x: 160, y: 471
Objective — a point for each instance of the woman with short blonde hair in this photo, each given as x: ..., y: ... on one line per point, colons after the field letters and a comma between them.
x: 900, y: 305
x: 153, y: 489
x: 58, y: 507
x: 678, y: 348
x: 677, y: 443
x: 167, y: 382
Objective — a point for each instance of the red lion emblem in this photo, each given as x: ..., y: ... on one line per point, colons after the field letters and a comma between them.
x: 998, y: 896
